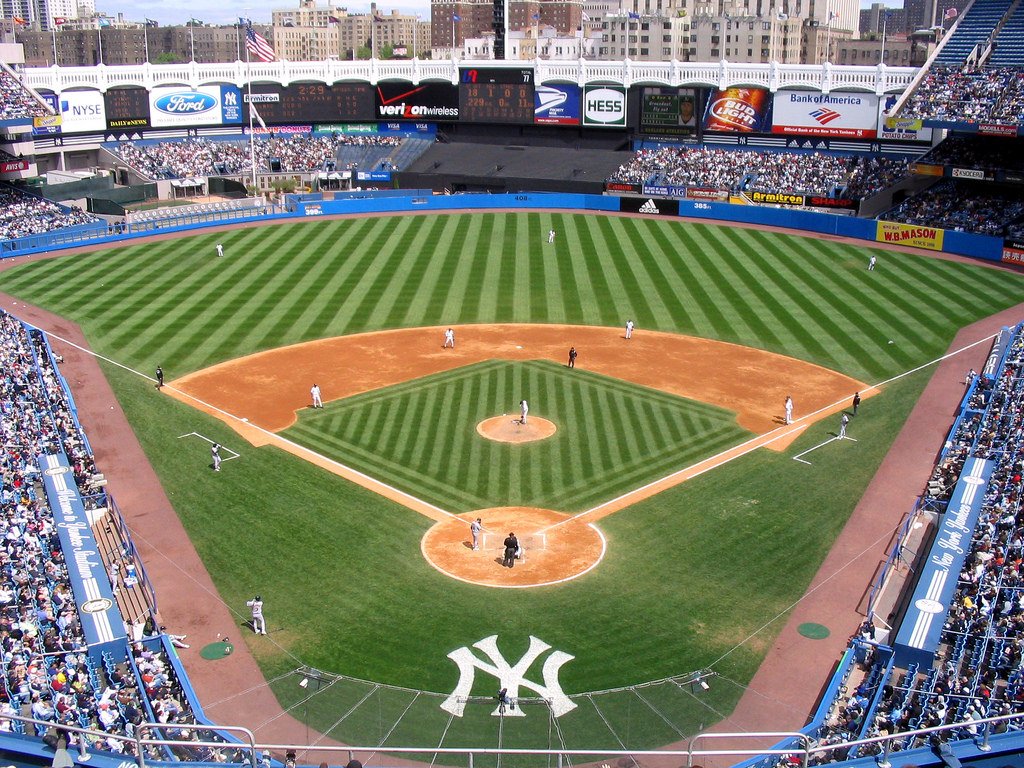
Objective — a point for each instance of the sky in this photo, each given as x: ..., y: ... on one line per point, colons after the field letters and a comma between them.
x: 228, y: 11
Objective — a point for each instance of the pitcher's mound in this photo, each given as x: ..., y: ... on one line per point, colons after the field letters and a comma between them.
x: 556, y: 547
x: 507, y: 429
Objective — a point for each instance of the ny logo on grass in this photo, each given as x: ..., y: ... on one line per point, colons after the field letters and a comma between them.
x: 511, y: 678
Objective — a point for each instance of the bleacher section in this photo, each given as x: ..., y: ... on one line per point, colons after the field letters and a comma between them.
x: 16, y: 103
x: 975, y: 28
x: 23, y: 214
x: 61, y: 665
x: 1009, y: 51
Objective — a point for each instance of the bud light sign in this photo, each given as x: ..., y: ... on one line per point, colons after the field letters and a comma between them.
x: 604, y: 105
x: 739, y: 110
x: 206, y: 105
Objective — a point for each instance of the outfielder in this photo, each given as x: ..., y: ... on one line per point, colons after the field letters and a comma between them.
x: 259, y: 625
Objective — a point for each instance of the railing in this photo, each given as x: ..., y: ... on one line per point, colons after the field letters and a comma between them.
x: 798, y: 746
x: 826, y: 77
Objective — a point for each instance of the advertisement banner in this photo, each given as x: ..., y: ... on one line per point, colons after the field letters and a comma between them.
x: 706, y: 193
x: 1013, y: 252
x: 991, y: 129
x: 738, y: 110
x: 926, y: 169
x: 621, y: 186
x: 649, y: 205
x: 373, y: 175
x: 11, y: 166
x: 177, y: 106
x: 909, y: 234
x: 274, y: 130
x: 82, y: 112
x: 841, y: 203
x: 346, y: 129
x: 425, y: 102
x: 808, y: 113
x: 968, y: 173
x: 775, y: 198
x: 46, y: 125
x: 656, y: 190
x: 901, y: 128
x: 556, y: 105
x: 604, y: 105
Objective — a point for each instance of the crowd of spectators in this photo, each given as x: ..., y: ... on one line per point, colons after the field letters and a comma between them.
x: 961, y: 206
x: 15, y: 101
x: 49, y: 674
x: 987, y: 153
x: 979, y: 670
x: 985, y: 95
x: 206, y: 157
x: 815, y: 173
x: 22, y: 214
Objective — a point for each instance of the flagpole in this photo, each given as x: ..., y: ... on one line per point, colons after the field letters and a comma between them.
x: 192, y: 38
x: 53, y: 29
x: 99, y: 37
x: 252, y: 139
x: 145, y: 37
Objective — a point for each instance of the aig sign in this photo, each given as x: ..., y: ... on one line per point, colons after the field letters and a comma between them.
x: 604, y: 105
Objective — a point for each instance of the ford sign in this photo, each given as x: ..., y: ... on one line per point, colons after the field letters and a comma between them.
x: 185, y: 103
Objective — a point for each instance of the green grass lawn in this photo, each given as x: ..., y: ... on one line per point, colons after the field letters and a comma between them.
x: 696, y: 577
x: 612, y: 437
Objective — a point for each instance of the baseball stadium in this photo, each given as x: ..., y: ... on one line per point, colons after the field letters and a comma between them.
x: 299, y: 469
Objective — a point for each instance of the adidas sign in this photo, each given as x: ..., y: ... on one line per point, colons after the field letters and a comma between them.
x: 649, y: 207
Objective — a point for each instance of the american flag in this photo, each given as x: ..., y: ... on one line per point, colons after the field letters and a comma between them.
x: 256, y: 44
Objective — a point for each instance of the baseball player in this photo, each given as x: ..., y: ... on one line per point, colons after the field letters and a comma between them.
x: 215, y: 455
x: 629, y: 329
x: 572, y: 357
x: 551, y: 236
x: 449, y: 339
x: 315, y: 393
x: 259, y: 625
x: 843, y: 421
x: 159, y: 377
x: 474, y: 531
x: 220, y: 249
x: 524, y: 408
x: 871, y: 263
x: 789, y: 409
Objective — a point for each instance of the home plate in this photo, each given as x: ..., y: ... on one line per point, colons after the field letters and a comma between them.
x: 519, y: 346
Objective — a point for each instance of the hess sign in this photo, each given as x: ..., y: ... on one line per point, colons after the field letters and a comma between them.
x: 604, y: 105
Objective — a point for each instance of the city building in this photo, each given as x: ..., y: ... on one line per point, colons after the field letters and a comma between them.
x: 453, y: 21
x: 314, y: 32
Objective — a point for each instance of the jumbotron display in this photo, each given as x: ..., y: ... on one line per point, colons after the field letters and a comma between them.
x: 496, y: 95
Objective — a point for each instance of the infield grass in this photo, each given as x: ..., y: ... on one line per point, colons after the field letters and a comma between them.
x: 697, y: 577
x: 611, y: 436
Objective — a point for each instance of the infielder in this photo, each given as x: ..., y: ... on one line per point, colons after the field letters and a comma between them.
x: 215, y: 455
x: 524, y: 408
x: 789, y: 409
x: 474, y: 531
x: 259, y: 626
x: 449, y: 339
x: 843, y: 421
x: 315, y: 393
x: 629, y: 329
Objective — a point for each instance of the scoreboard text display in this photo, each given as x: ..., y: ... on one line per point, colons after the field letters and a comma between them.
x: 313, y: 103
x: 668, y: 111
x: 127, y: 108
x: 496, y: 95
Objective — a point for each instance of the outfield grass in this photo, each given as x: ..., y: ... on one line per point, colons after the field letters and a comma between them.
x: 696, y: 577
x: 612, y: 436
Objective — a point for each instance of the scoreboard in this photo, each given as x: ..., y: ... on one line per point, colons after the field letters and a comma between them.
x: 127, y: 107
x: 492, y: 95
x: 313, y: 102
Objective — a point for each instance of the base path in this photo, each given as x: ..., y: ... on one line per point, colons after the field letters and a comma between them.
x: 563, y: 553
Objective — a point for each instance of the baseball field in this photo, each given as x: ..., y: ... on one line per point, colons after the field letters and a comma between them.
x: 688, y: 578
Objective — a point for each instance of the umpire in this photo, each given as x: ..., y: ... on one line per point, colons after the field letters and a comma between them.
x: 511, y: 546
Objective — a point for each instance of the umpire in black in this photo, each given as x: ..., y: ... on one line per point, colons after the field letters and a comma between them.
x: 511, y: 547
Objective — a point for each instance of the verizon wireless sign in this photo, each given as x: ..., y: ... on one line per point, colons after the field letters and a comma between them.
x: 433, y: 102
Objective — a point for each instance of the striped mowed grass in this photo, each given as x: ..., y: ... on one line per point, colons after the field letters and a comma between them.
x: 750, y: 535
x: 171, y: 302
x: 611, y: 436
